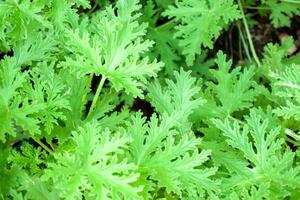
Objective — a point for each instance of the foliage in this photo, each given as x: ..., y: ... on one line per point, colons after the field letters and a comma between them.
x: 263, y: 151
x: 72, y: 72
x: 280, y: 12
x: 213, y: 15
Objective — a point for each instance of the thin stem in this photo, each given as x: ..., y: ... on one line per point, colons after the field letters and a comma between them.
x: 244, y: 43
x: 172, y: 21
x: 42, y: 145
x: 291, y: 1
x: 95, y: 99
x: 51, y: 145
x: 93, y: 8
x: 238, y: 120
x: 248, y: 35
x: 292, y: 141
x: 292, y: 134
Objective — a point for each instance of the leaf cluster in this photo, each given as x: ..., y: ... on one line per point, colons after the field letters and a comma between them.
x: 72, y: 71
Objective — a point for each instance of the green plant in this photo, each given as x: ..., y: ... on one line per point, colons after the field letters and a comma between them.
x: 280, y: 12
x: 71, y: 73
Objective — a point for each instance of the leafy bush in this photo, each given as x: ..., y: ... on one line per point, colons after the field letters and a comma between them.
x: 71, y: 73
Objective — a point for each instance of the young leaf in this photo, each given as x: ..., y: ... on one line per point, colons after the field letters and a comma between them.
x: 178, y: 98
x: 232, y: 91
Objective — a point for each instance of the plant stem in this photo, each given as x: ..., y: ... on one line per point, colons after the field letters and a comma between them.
x: 238, y: 120
x: 93, y: 8
x: 244, y: 43
x: 42, y: 145
x: 248, y: 34
x: 95, y: 99
x: 172, y: 21
x: 292, y: 141
x: 292, y: 134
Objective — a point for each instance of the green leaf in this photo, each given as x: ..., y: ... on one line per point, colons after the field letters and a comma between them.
x: 232, y: 90
x: 115, y: 50
x: 178, y: 98
x: 275, y: 55
x: 282, y: 12
x: 15, y: 109
x: 21, y: 19
x: 286, y: 85
x: 165, y: 149
x: 200, y: 22
x: 166, y: 46
x: 169, y: 157
x: 263, y: 149
x: 35, y: 48
x: 50, y: 91
x: 95, y: 166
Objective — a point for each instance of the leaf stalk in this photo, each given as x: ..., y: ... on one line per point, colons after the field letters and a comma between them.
x: 42, y: 145
x: 95, y: 99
